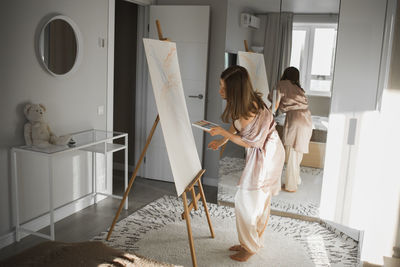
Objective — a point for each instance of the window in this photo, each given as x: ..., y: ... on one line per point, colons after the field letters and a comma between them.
x: 313, y: 52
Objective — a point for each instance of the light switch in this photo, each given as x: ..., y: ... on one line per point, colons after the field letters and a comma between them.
x: 100, y: 110
x: 102, y: 42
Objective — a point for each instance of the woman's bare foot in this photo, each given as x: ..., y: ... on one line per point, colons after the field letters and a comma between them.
x: 290, y: 191
x: 236, y: 248
x: 242, y: 255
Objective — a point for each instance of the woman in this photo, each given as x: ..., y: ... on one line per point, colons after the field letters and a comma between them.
x: 297, y: 129
x: 253, y: 127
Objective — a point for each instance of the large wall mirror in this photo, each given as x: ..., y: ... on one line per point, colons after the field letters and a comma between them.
x: 288, y: 33
x: 60, y: 45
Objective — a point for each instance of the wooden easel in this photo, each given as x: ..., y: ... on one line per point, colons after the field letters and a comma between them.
x: 246, y: 47
x: 190, y: 188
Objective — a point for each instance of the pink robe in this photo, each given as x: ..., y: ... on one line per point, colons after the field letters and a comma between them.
x: 266, y: 155
x: 261, y: 179
x: 297, y: 129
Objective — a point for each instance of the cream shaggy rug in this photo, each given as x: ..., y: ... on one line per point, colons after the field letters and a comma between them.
x: 305, y: 201
x: 157, y: 232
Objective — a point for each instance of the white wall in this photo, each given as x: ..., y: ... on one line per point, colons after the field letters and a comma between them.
x: 358, y: 48
x: 71, y: 101
x: 236, y: 34
x: 258, y: 36
x: 361, y: 188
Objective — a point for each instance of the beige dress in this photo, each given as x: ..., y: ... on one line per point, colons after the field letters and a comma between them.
x: 260, y: 179
x: 297, y: 129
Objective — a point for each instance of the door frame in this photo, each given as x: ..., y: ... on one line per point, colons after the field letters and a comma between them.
x: 141, y: 76
x: 110, y: 86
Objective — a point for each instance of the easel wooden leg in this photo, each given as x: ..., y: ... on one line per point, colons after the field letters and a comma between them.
x: 203, y: 198
x: 193, y: 204
x: 133, y: 176
x: 246, y: 46
x: 196, y: 207
x: 189, y: 229
x: 221, y: 151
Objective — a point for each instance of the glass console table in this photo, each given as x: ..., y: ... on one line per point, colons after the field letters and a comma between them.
x: 94, y: 141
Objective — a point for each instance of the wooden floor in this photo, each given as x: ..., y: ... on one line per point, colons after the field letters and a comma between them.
x: 89, y: 222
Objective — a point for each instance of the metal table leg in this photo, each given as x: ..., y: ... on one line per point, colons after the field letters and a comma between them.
x: 14, y: 175
x: 51, y: 173
x: 126, y: 170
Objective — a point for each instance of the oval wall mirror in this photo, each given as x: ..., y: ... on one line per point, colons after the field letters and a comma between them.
x: 59, y: 45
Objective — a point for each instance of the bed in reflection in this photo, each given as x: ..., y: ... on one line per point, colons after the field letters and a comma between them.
x: 316, y: 156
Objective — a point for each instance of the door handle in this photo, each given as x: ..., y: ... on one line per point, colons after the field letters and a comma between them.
x: 200, y: 96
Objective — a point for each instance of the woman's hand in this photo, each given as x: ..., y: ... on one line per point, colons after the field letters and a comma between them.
x: 228, y: 136
x: 218, y: 131
x: 215, y: 144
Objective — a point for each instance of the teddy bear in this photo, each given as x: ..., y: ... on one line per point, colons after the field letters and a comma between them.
x: 37, y: 132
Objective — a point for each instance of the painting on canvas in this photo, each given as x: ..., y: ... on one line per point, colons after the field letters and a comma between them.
x: 166, y: 80
x: 255, y: 65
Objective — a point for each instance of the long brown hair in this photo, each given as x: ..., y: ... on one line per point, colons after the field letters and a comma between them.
x: 241, y: 99
x: 293, y: 75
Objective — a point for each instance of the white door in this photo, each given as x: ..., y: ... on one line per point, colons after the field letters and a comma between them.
x: 188, y: 27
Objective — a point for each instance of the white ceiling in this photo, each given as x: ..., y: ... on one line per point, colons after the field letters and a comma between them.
x: 295, y: 6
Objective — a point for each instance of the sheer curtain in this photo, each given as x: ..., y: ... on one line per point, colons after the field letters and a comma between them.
x: 277, y: 45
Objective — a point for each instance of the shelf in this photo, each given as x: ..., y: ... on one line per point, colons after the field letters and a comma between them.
x: 97, y: 141
x: 99, y: 148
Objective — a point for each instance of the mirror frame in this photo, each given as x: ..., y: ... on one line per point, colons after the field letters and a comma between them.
x: 277, y: 211
x: 79, y: 45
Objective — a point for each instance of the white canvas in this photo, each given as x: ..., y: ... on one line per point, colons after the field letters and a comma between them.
x: 166, y: 80
x: 255, y: 65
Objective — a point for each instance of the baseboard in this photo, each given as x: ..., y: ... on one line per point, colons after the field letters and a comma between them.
x: 360, y: 244
x: 295, y: 216
x: 368, y: 264
x: 357, y: 235
x: 350, y: 232
x: 44, y: 221
x: 7, y: 239
x: 211, y: 181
